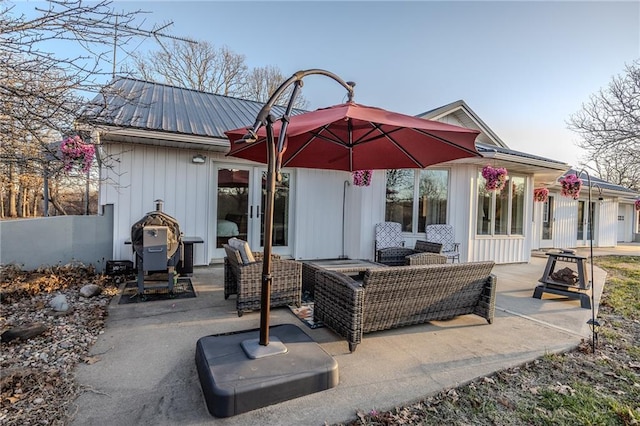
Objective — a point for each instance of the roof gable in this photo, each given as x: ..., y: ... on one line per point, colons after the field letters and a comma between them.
x: 460, y: 114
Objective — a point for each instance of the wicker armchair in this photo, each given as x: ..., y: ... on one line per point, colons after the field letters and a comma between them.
x: 245, y: 280
x: 398, y: 296
x: 397, y: 256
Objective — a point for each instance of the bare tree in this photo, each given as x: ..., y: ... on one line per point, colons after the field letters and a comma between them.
x: 202, y: 66
x: 42, y: 92
x: 609, y: 126
x: 262, y: 82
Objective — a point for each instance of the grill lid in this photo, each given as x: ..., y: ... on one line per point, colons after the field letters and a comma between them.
x: 156, y: 218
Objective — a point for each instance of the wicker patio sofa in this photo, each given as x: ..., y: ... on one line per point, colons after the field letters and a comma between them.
x: 396, y: 256
x: 403, y: 295
x: 245, y: 280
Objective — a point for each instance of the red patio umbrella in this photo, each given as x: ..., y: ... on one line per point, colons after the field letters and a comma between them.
x: 357, y: 137
x: 343, y: 137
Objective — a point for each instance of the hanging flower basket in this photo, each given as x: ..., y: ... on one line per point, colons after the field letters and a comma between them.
x: 540, y: 195
x: 571, y: 186
x: 638, y: 204
x: 77, y: 154
x: 496, y: 178
x: 362, y: 177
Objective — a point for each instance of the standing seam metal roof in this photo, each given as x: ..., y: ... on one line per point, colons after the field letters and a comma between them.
x: 152, y: 106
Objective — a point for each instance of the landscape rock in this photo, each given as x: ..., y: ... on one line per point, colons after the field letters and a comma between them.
x: 90, y: 290
x: 59, y: 303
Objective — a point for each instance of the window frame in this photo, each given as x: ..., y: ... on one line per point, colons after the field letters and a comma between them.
x: 415, y: 207
x: 493, y: 209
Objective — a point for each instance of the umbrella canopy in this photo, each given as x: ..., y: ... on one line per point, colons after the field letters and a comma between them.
x: 357, y: 137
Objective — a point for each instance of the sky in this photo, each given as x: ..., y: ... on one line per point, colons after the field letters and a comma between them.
x: 523, y: 67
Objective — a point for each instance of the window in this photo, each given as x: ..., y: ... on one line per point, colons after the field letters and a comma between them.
x: 417, y: 198
x: 501, y: 213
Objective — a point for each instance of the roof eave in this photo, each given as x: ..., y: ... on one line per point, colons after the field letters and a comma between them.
x: 553, y: 165
x: 110, y: 134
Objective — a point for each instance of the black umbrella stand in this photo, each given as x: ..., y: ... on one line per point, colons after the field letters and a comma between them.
x: 239, y: 372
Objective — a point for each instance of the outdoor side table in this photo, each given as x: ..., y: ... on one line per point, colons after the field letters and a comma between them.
x: 571, y: 290
x: 345, y: 266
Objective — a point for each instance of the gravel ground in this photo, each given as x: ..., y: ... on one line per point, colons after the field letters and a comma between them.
x: 36, y: 374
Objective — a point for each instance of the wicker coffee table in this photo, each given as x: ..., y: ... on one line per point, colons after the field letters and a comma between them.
x: 345, y: 266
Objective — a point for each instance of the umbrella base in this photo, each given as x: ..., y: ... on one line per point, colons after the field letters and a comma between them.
x: 234, y: 383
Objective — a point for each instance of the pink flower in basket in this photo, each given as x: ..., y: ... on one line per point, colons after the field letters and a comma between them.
x: 571, y: 186
x: 638, y: 204
x: 77, y: 153
x: 362, y: 177
x: 540, y: 195
x: 496, y: 178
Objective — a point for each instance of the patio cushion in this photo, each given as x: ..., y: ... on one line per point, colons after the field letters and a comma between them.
x: 243, y: 248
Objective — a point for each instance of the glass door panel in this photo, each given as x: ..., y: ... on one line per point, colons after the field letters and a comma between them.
x: 582, y: 223
x: 233, y: 204
x: 281, y: 214
x: 548, y: 219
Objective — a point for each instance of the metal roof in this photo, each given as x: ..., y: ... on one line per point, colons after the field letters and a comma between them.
x: 602, y: 184
x: 486, y: 149
x: 144, y: 105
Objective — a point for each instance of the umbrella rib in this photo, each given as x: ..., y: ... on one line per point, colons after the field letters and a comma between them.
x: 317, y: 135
x: 246, y: 146
x: 422, y: 132
x: 414, y: 159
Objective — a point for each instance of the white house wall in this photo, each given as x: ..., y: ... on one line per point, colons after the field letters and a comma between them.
x: 462, y: 217
x: 317, y: 208
x: 168, y: 175
x: 606, y: 233
x: 318, y: 214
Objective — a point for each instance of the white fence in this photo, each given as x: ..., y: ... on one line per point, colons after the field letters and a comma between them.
x: 31, y: 243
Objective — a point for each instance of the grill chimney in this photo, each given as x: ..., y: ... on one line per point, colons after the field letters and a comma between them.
x: 159, y: 205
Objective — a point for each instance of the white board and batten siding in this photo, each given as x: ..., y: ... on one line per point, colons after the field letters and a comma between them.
x: 606, y: 223
x: 325, y: 200
x: 146, y: 173
x: 317, y: 211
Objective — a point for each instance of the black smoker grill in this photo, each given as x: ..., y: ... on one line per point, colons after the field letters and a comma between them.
x: 157, y: 243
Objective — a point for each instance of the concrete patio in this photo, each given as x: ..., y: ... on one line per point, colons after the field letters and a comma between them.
x: 146, y: 372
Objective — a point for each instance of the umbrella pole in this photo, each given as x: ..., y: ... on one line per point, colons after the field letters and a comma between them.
x: 265, y: 118
x: 265, y: 294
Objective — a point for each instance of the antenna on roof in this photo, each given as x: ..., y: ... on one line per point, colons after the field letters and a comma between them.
x: 155, y: 32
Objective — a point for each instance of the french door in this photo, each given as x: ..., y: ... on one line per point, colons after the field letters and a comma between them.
x: 240, y: 202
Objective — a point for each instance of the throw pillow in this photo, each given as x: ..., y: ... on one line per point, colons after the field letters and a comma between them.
x: 243, y: 248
